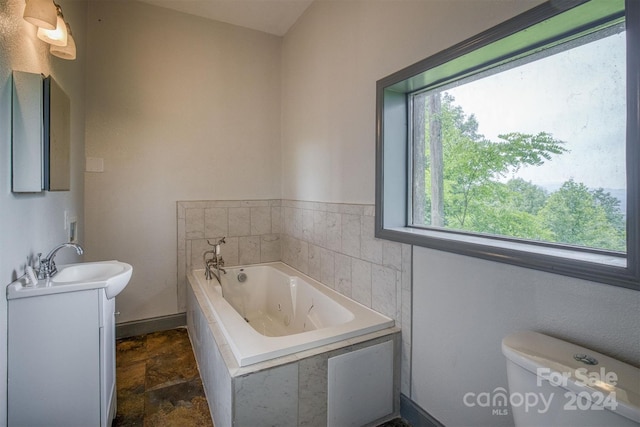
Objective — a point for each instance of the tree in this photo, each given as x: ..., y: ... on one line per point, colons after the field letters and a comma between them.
x: 434, y: 108
x: 525, y: 196
x: 476, y: 197
x: 611, y: 206
x: 575, y: 215
x: 472, y: 163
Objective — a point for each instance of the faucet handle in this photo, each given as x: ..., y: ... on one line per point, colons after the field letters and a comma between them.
x: 221, y: 241
x: 41, y: 269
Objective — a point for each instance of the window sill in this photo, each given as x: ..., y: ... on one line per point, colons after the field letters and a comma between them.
x: 504, y: 245
x: 603, y: 268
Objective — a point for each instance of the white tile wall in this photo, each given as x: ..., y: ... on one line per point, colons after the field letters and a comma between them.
x: 331, y: 242
x: 251, y: 227
x: 335, y: 244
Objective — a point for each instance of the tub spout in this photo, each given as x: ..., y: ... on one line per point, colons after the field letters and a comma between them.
x: 213, y: 269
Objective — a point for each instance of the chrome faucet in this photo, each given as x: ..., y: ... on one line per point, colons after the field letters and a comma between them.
x: 215, y: 262
x: 47, y: 266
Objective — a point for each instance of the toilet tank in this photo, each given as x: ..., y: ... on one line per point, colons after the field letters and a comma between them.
x: 556, y: 383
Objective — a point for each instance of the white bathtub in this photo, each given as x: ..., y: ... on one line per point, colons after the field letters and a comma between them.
x: 278, y: 311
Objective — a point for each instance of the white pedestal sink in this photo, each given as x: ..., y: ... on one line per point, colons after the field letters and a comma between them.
x: 113, y: 276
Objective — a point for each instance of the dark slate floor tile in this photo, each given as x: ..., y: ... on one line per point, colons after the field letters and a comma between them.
x: 131, y: 350
x: 182, y: 404
x: 158, y: 383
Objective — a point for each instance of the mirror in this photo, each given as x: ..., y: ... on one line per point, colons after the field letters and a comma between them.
x: 41, y: 135
x: 27, y: 132
x: 57, y: 125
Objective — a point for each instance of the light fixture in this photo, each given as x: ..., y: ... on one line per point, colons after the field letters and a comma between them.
x: 57, y: 37
x: 52, y: 28
x: 65, y: 52
x: 42, y: 13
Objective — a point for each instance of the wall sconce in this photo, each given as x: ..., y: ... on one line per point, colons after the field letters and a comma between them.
x: 58, y: 36
x: 65, y: 52
x: 41, y: 13
x: 52, y: 28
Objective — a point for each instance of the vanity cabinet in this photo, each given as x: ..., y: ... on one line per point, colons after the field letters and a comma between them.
x: 61, y: 359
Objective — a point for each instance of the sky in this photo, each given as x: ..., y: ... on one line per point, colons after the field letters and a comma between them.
x: 578, y: 96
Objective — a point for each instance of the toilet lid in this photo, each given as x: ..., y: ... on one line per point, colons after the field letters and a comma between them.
x: 576, y: 368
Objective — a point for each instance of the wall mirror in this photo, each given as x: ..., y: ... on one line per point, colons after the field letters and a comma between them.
x: 27, y: 133
x: 41, y: 139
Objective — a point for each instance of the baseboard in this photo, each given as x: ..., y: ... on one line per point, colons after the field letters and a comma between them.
x: 146, y: 326
x: 415, y: 415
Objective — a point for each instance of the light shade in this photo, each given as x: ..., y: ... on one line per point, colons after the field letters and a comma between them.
x: 56, y: 37
x: 42, y: 13
x: 68, y: 51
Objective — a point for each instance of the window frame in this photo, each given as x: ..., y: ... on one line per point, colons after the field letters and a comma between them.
x: 393, y: 147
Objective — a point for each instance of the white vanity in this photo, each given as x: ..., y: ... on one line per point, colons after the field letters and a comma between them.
x: 61, y: 346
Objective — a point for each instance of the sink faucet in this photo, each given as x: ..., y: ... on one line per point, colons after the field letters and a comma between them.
x: 216, y: 262
x: 47, y: 266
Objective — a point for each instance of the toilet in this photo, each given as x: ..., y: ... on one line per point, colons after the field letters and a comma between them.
x: 556, y: 383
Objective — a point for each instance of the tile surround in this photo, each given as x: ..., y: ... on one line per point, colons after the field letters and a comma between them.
x: 333, y: 243
x: 251, y: 227
x: 286, y: 391
x: 278, y: 407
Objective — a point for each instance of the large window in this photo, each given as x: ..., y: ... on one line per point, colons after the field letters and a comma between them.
x: 520, y: 145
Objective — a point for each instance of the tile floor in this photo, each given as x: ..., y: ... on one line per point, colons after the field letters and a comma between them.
x: 158, y: 383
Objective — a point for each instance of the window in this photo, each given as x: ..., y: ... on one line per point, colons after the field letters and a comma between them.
x: 520, y: 145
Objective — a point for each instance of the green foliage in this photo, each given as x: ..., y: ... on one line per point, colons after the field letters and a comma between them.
x: 525, y: 196
x: 575, y: 215
x: 477, y: 199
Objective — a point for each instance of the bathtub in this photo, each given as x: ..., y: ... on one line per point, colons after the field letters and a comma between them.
x: 266, y: 311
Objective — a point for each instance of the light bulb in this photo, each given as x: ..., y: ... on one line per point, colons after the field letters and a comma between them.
x: 68, y: 51
x: 56, y: 37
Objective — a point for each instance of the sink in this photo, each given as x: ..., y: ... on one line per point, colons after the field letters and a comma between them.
x: 113, y: 276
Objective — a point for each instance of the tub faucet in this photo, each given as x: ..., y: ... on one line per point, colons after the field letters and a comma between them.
x: 215, y: 262
x: 47, y: 266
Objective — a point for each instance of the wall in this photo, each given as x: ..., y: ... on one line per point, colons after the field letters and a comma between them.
x: 179, y: 108
x: 331, y: 60
x: 32, y: 223
x: 462, y: 307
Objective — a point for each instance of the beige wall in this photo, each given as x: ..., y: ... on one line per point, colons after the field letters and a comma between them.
x: 199, y: 117
x: 462, y: 307
x: 179, y: 108
x: 32, y: 223
x: 332, y: 59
